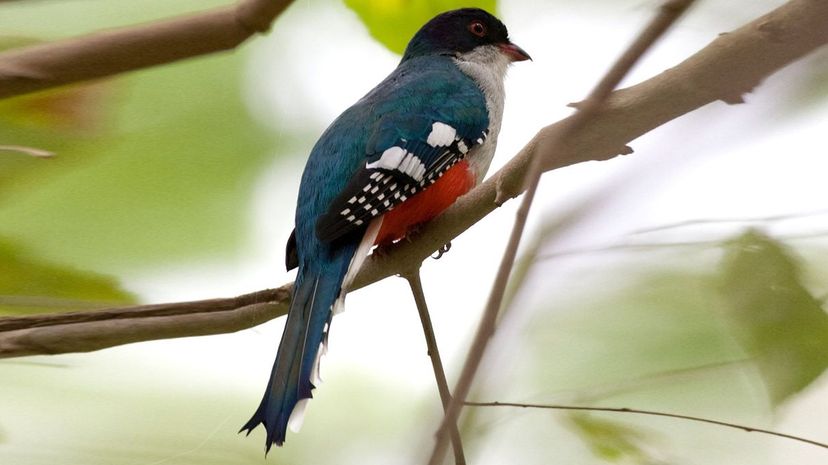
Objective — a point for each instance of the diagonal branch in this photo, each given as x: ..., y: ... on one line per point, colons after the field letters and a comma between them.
x: 668, y: 14
x: 112, y: 52
x: 730, y: 66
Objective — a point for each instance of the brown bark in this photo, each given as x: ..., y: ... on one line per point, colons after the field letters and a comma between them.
x: 111, y: 52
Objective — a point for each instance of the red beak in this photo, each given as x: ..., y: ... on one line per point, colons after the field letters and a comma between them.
x: 514, y: 52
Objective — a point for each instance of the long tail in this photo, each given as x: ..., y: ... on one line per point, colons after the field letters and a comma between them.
x: 308, y: 319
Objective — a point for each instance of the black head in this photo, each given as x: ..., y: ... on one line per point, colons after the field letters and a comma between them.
x: 461, y: 31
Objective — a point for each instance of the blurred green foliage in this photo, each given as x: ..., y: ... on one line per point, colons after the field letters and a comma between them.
x: 152, y: 167
x: 669, y: 333
x: 611, y: 440
x: 775, y: 317
x: 67, y: 18
x: 31, y: 286
x: 394, y: 22
x: 90, y: 418
x: 154, y: 413
x: 660, y: 320
x: 163, y: 175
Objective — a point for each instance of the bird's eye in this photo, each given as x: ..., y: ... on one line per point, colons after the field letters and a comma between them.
x: 477, y: 28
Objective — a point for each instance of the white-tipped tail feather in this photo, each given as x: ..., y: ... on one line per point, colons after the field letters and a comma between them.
x: 297, y: 417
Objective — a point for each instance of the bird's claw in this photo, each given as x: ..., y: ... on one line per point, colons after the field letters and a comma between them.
x: 442, y: 251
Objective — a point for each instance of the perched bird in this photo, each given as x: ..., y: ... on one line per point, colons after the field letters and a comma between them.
x: 397, y: 158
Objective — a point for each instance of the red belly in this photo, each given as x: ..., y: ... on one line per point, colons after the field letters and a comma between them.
x: 426, y: 204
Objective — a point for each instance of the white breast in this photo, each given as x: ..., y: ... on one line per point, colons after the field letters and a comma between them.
x: 487, y: 66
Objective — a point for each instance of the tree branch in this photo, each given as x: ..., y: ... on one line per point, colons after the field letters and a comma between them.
x: 717, y: 72
x: 112, y: 52
x: 413, y: 278
x: 669, y: 13
x: 99, y: 329
x: 749, y: 429
x: 732, y: 64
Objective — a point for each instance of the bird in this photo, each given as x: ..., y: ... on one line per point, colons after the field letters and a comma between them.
x: 394, y: 160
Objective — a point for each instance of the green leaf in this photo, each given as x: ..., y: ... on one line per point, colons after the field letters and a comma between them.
x: 394, y: 22
x: 610, y: 440
x: 636, y: 327
x: 31, y: 286
x: 777, y: 319
x: 166, y: 178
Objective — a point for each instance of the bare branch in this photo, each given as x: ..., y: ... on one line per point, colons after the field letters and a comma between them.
x: 587, y: 110
x: 749, y: 429
x: 94, y: 330
x: 111, y: 52
x: 414, y: 281
x: 725, y: 67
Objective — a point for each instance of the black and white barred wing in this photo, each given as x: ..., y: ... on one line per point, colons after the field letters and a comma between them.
x: 393, y: 175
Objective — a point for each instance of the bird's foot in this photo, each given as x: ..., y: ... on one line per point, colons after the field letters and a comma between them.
x: 383, y: 250
x: 442, y: 251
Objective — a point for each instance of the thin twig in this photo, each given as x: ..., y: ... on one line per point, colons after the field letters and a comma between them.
x: 30, y: 151
x: 112, y: 52
x: 760, y: 48
x: 746, y: 219
x: 668, y: 14
x: 413, y: 278
x: 749, y: 429
x: 595, y: 393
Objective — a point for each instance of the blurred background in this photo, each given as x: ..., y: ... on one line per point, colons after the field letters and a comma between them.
x: 688, y: 277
